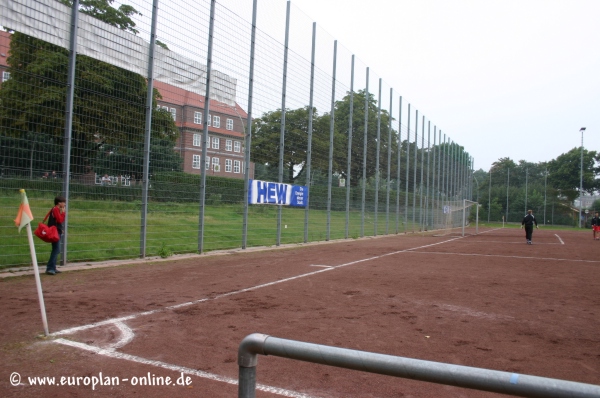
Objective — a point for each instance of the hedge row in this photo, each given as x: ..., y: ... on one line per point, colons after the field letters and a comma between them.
x: 185, y: 188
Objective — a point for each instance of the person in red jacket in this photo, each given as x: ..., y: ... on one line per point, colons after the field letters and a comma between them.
x: 56, y: 218
x: 596, y: 226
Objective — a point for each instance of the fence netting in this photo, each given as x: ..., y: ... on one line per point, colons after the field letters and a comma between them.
x: 165, y: 171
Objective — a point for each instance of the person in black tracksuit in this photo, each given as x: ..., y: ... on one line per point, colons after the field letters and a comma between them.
x: 528, y: 222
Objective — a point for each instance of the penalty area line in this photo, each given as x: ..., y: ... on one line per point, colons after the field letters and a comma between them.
x: 561, y: 241
x: 111, y: 353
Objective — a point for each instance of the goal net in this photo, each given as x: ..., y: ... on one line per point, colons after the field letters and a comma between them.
x: 458, y: 217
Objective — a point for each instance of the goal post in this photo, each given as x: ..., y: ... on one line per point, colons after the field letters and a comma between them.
x: 456, y: 216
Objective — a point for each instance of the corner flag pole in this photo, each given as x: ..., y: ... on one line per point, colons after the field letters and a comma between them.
x: 25, y: 217
x: 38, y: 281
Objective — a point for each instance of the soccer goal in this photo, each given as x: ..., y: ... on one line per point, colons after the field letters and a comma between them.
x: 459, y: 217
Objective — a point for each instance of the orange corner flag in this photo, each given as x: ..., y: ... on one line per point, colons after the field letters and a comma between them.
x: 24, y: 215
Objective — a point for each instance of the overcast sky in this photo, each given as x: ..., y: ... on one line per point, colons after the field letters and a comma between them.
x: 510, y: 78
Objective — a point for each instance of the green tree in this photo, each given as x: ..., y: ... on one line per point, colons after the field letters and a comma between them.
x: 342, y: 113
x: 109, y: 102
x: 113, y: 160
x: 266, y: 132
x: 564, y: 172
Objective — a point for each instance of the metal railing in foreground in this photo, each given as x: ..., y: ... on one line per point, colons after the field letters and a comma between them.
x: 435, y: 372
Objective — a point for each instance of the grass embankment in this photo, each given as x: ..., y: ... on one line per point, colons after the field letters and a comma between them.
x: 104, y: 230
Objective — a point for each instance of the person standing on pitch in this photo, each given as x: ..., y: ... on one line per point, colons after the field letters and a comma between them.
x: 596, y: 226
x: 56, y: 218
x: 528, y: 222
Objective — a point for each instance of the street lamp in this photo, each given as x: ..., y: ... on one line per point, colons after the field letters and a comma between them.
x: 581, y: 178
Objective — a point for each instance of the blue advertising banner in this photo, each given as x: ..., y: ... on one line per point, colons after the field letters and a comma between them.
x: 274, y: 193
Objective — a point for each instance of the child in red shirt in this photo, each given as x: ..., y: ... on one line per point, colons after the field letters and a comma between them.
x: 57, y: 218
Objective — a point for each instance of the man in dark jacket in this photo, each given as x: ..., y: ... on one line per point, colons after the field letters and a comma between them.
x: 528, y: 222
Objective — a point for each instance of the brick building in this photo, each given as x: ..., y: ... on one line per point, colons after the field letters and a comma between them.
x: 225, y: 150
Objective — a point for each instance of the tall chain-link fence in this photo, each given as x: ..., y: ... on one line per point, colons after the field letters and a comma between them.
x: 510, y: 189
x: 154, y: 118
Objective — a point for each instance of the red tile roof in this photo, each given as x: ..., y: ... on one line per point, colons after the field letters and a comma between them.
x: 179, y: 96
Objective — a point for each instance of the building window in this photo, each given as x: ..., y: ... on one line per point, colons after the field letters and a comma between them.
x: 207, y: 165
x: 228, y: 165
x: 229, y: 125
x: 5, y: 76
x: 198, y: 117
x: 236, y: 146
x: 228, y: 145
x: 174, y: 113
x: 236, y: 166
x: 166, y: 108
x: 215, y: 143
x: 209, y: 119
x: 197, y: 140
x: 217, y: 121
x: 215, y: 164
x: 196, y: 162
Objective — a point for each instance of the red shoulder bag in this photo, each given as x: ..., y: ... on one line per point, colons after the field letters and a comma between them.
x: 46, y: 233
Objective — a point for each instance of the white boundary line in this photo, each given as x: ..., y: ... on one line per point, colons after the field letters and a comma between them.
x: 512, y: 243
x: 324, y: 266
x: 134, y: 316
x: 111, y: 353
x: 561, y: 241
x: 521, y: 257
x: 127, y: 334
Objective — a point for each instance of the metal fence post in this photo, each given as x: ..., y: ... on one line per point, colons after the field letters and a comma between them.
x: 440, y: 171
x: 389, y: 161
x: 545, y: 186
x: 310, y: 130
x: 69, y: 123
x: 205, y: 130
x: 415, y: 170
x: 526, y: 177
x: 421, y: 219
x: 434, y: 175
x: 283, y: 98
x: 490, y: 195
x: 349, y: 157
x: 507, y: 189
x: 407, y: 171
x: 364, y: 170
x: 331, y: 129
x: 427, y: 199
x: 248, y: 132
x: 148, y: 131
x: 377, y: 159
x: 398, y: 162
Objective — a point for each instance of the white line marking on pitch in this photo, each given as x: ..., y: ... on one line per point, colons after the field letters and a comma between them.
x: 512, y: 243
x: 134, y: 316
x: 561, y: 241
x: 324, y: 266
x: 126, y: 335
x: 521, y: 257
x: 110, y: 352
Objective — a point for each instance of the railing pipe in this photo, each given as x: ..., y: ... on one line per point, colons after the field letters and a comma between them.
x: 408, y: 368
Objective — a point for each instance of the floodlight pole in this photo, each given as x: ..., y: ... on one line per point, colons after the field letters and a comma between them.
x: 581, y: 178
